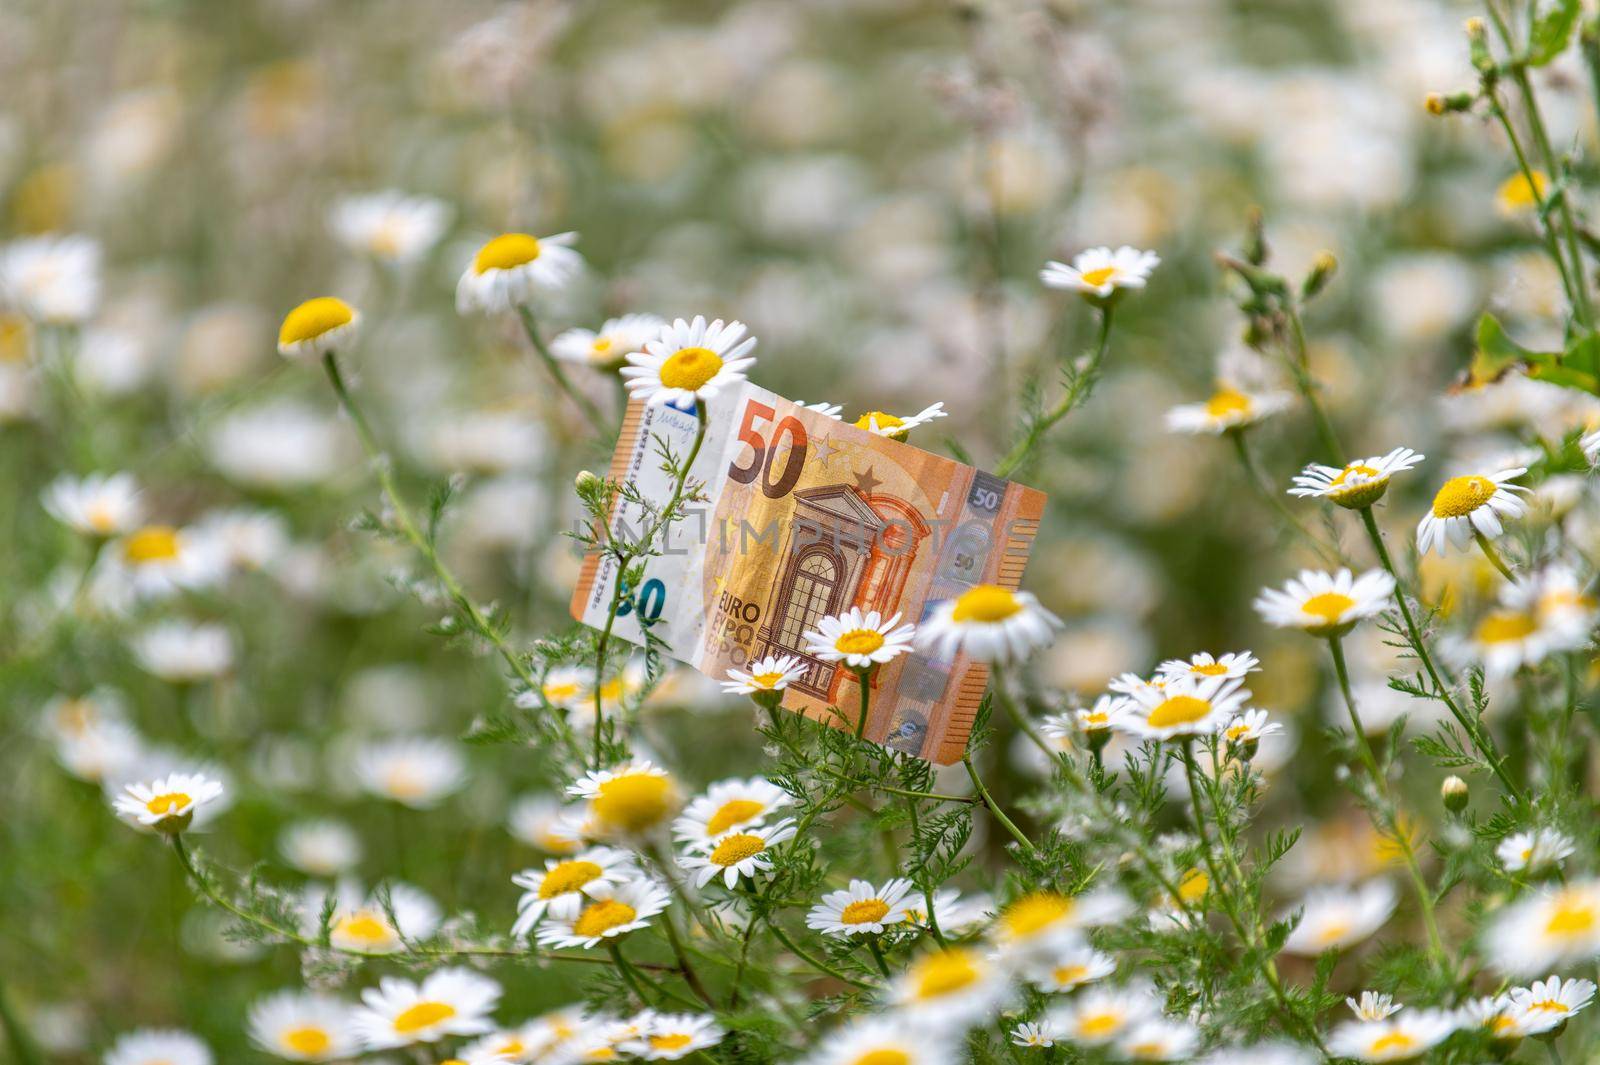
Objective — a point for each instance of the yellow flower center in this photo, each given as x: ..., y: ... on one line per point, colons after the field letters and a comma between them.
x: 883, y: 1056
x: 690, y: 368
x: 944, y: 973
x: 1099, y: 276
x: 1501, y: 1023
x: 1228, y: 402
x: 883, y: 421
x: 153, y: 543
x: 602, y: 917
x: 1392, y: 1043
x: 313, y: 318
x: 1330, y: 607
x: 736, y: 848
x: 170, y: 803
x: 1517, y: 193
x: 365, y: 926
x: 1178, y: 710
x: 1352, y: 469
x: 567, y: 877
x: 1505, y: 626
x: 423, y: 1015
x: 1333, y: 932
x: 506, y: 252
x: 765, y: 680
x: 733, y: 812
x: 601, y: 345
x: 1462, y: 495
x: 560, y: 691
x: 14, y: 340
x: 863, y: 911
x: 986, y: 602
x: 1070, y: 975
x: 1235, y: 733
x: 673, y: 1041
x: 308, y: 1042
x: 1209, y: 669
x: 1034, y: 912
x: 1099, y: 1025
x: 633, y: 802
x: 1193, y: 886
x: 1549, y: 1005
x: 858, y: 642
x: 1574, y: 916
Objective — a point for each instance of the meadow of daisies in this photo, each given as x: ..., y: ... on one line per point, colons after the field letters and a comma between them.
x: 317, y: 324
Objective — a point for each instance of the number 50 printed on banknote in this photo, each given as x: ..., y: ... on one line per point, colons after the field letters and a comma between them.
x: 808, y: 516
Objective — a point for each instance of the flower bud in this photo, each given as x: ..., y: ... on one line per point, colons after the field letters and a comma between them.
x: 1454, y: 794
x: 1439, y: 103
x: 589, y: 485
x: 1322, y: 271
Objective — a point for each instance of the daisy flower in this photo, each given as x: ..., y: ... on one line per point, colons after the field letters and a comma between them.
x: 1234, y: 665
x: 1037, y: 1034
x: 1184, y: 707
x: 989, y: 624
x: 97, y: 505
x: 303, y: 1026
x: 53, y: 280
x: 953, y: 988
x: 670, y: 1036
x: 1228, y: 408
x: 1068, y: 969
x: 1249, y: 727
x: 1468, y: 506
x: 1334, y: 918
x: 159, y: 1046
x: 183, y: 652
x: 1326, y: 604
x: 1566, y: 609
x: 1552, y: 926
x: 1534, y: 851
x: 1100, y: 272
x: 830, y: 410
x: 166, y: 804
x: 630, y: 800
x: 1517, y: 195
x: 1098, y: 721
x: 390, y: 226
x: 448, y: 1002
x: 1551, y: 1003
x: 741, y: 852
x: 884, y: 1040
x: 861, y: 909
x: 1503, y: 641
x: 1102, y: 1015
x: 728, y: 805
x: 1393, y: 1039
x: 378, y: 923
x: 512, y: 268
x: 1497, y: 1017
x: 415, y: 771
x: 562, y: 688
x: 156, y: 561
x: 563, y: 883
x: 1159, y: 1039
x: 690, y: 360
x: 317, y: 327
x: 541, y: 821
x: 894, y: 427
x: 1042, y: 923
x: 1373, y: 1006
x: 770, y: 674
x: 1358, y: 484
x: 509, y: 1046
x: 608, y: 347
x: 609, y: 910
x: 860, y: 641
x: 322, y: 847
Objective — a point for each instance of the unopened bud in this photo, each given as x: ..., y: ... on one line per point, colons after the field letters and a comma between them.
x: 1255, y: 243
x: 1439, y: 103
x: 1454, y: 794
x: 1322, y: 271
x: 1478, y: 46
x: 586, y: 483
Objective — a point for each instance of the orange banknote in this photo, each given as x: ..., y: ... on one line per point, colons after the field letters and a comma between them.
x: 807, y: 516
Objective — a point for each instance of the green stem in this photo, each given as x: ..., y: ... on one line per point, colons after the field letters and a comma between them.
x: 690, y: 977
x: 813, y: 961
x: 931, y: 796
x: 530, y: 325
x: 866, y: 694
x: 1307, y: 387
x: 1552, y: 245
x: 994, y: 807
x: 24, y: 1049
x: 1541, y: 138
x: 1253, y: 475
x: 627, y: 972
x: 1389, y: 818
x: 1475, y: 731
x: 1078, y: 390
x: 408, y: 527
x: 927, y: 887
x: 877, y: 955
x: 1018, y: 716
x: 1493, y: 556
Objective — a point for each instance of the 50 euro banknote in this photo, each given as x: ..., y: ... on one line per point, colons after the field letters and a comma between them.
x: 806, y: 516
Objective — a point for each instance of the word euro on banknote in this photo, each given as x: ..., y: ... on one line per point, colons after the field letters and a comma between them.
x: 807, y: 516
